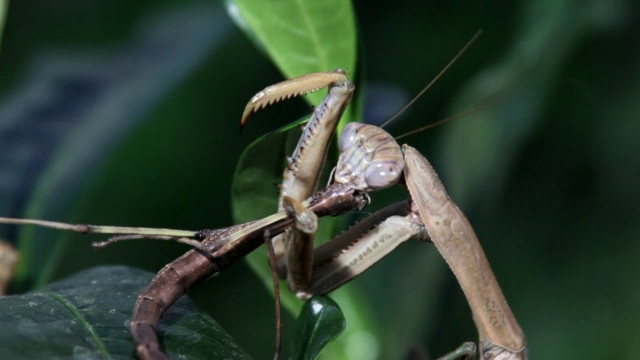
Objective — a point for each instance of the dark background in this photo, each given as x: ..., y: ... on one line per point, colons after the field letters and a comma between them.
x: 548, y: 175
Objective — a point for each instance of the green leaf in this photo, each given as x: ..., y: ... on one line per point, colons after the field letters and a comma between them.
x: 87, y: 315
x: 302, y: 36
x: 320, y: 321
x: 259, y: 170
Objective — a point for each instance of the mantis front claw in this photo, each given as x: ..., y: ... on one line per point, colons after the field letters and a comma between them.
x: 288, y: 89
x: 301, y: 175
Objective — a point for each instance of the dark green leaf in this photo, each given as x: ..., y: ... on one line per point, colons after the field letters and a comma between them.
x: 87, y: 316
x: 259, y: 171
x: 255, y: 192
x: 320, y: 321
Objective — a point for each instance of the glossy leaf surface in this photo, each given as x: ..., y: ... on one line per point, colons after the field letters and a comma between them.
x: 319, y: 322
x: 88, y: 315
x: 301, y: 37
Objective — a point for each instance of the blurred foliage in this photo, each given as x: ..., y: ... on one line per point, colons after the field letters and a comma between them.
x: 111, y: 115
x: 3, y: 13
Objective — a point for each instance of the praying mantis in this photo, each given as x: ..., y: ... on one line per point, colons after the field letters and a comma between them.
x: 370, y: 160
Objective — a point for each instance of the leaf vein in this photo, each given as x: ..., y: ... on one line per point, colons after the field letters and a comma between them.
x: 78, y: 315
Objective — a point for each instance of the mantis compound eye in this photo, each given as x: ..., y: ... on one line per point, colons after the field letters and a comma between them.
x: 382, y: 174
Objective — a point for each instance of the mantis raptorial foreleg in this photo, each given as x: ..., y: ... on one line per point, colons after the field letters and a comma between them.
x: 300, y: 177
x: 372, y: 160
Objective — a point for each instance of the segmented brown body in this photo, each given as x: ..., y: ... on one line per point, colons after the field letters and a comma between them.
x: 171, y: 282
x: 225, y: 246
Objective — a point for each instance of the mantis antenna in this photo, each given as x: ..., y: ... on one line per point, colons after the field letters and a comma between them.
x: 451, y: 62
x: 450, y: 118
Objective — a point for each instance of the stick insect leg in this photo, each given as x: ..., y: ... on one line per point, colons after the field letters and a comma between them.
x: 99, y: 229
x: 187, y: 241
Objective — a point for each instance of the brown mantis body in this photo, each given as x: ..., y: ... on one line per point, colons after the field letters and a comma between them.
x: 371, y: 160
